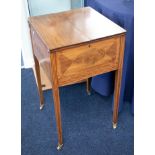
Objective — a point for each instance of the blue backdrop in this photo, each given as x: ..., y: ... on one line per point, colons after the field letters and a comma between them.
x: 122, y: 13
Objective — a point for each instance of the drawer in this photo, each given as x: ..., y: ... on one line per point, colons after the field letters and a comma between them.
x: 84, y: 61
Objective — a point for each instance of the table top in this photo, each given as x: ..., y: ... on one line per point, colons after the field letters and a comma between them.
x: 73, y: 27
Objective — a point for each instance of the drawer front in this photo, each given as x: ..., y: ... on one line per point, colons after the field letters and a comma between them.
x: 87, y: 60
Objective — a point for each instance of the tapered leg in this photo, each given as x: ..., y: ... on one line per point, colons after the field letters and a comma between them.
x: 37, y: 69
x: 88, y: 86
x: 58, y: 116
x: 116, y: 97
x: 118, y: 78
x: 55, y: 88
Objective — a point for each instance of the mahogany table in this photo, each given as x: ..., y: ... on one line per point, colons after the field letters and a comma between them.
x: 76, y: 45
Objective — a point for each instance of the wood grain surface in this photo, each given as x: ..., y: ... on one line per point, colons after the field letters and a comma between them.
x: 40, y: 50
x: 55, y: 87
x: 73, y: 27
x: 88, y: 60
x: 118, y: 79
x: 76, y: 45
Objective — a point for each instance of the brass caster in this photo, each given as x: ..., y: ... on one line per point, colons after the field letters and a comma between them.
x: 89, y: 93
x: 59, y: 147
x: 41, y: 106
x: 114, y: 125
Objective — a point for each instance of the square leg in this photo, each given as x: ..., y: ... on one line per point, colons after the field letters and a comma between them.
x: 37, y: 70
